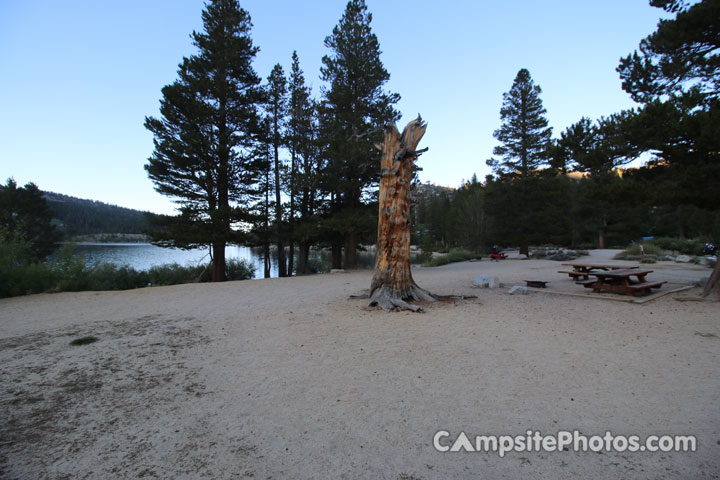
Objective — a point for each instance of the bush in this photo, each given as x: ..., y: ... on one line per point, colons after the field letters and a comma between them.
x: 69, y: 273
x: 239, y: 269
x: 633, y: 252
x: 681, y: 245
x: 108, y: 276
x: 454, y: 255
x: 173, y: 274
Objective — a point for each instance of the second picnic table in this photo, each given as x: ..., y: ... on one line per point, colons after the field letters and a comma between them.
x: 584, y: 270
x: 620, y: 281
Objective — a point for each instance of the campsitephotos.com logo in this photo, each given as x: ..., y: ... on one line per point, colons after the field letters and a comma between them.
x: 534, y: 441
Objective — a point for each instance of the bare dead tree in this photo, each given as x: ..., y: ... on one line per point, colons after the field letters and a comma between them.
x: 392, y: 285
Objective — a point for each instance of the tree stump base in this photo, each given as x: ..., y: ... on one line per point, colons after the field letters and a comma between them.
x: 387, y: 299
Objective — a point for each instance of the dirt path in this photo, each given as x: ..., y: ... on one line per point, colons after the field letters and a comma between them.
x: 288, y: 378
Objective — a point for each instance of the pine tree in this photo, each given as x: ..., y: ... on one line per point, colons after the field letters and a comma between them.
x: 26, y: 222
x: 301, y: 143
x: 277, y: 111
x: 203, y: 139
x: 680, y: 59
x: 355, y: 108
x: 524, y: 133
x: 676, y: 75
x: 525, y: 138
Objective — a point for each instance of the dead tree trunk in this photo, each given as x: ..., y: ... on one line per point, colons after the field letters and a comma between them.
x: 392, y: 285
x: 713, y: 284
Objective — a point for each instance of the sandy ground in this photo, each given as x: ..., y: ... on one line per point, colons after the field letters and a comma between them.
x: 289, y: 378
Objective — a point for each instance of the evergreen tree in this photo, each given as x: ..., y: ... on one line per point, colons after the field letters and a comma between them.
x: 677, y: 76
x: 203, y: 139
x: 26, y: 222
x: 681, y: 59
x: 525, y: 141
x: 262, y: 209
x: 277, y: 110
x: 524, y: 133
x: 355, y: 107
x: 302, y: 133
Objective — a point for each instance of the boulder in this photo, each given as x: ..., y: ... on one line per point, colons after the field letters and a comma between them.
x: 683, y: 259
x: 486, y: 281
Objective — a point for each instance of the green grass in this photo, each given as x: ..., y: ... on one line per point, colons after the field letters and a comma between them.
x: 84, y: 341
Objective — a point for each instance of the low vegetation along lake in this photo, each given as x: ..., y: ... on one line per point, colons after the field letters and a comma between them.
x: 142, y: 256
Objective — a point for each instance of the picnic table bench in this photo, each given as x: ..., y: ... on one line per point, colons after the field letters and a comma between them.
x: 620, y: 281
x: 584, y: 270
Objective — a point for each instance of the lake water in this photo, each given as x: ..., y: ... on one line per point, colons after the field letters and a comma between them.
x: 142, y: 256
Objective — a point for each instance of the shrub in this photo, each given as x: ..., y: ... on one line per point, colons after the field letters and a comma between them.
x: 562, y: 257
x: 454, y: 255
x: 681, y: 245
x: 239, y: 269
x: 633, y: 252
x: 108, y: 276
x: 70, y: 270
x: 69, y: 273
x: 173, y: 274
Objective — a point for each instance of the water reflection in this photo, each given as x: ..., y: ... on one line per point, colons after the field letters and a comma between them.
x: 142, y: 256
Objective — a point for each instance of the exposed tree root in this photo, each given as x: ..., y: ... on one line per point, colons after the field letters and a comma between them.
x: 387, y: 299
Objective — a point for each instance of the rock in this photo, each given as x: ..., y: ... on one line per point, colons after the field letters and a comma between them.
x: 518, y: 290
x: 337, y: 270
x: 517, y: 256
x: 486, y: 281
x: 683, y: 258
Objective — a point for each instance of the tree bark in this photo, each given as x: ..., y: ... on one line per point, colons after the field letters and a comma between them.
x: 266, y: 260
x: 351, y: 244
x: 392, y: 285
x: 218, y: 272
x: 303, y: 254
x: 282, y: 265
x: 336, y: 249
x: 291, y: 219
x: 713, y: 284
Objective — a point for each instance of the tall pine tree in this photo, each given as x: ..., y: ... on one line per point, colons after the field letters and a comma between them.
x: 525, y: 138
x: 277, y: 110
x: 202, y: 155
x: 524, y: 133
x: 355, y: 108
x: 301, y: 143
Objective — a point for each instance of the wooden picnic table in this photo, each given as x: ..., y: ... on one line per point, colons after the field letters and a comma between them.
x: 621, y: 281
x: 584, y: 270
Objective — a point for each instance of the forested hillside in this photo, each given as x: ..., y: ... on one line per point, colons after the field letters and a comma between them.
x: 75, y: 216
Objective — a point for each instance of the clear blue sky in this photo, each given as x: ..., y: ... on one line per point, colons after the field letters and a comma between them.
x: 78, y: 77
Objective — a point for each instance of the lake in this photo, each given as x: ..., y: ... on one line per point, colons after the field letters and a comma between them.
x: 142, y: 256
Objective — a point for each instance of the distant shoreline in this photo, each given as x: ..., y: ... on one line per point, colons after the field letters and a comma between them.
x: 106, y: 244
